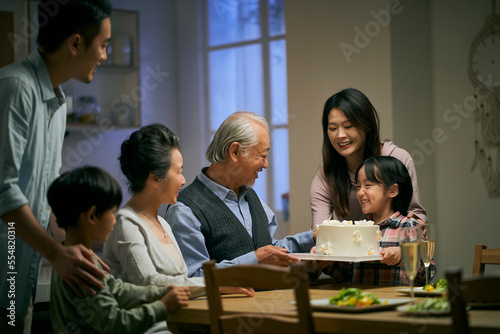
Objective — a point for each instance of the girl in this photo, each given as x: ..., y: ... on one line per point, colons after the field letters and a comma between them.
x: 350, y: 136
x: 384, y: 192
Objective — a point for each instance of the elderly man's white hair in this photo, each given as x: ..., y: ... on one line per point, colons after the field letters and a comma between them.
x: 238, y: 127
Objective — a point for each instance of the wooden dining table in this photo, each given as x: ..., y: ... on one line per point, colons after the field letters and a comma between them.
x: 195, y: 317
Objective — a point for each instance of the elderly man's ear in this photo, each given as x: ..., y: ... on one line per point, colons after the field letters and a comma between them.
x: 234, y: 150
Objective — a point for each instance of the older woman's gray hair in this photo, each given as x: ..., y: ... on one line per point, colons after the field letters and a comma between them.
x: 238, y: 127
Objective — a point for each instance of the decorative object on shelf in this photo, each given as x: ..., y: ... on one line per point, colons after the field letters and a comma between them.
x: 70, y: 105
x: 286, y: 206
x: 484, y: 74
x: 109, y: 53
x: 122, y: 113
x: 121, y: 46
x: 88, y: 111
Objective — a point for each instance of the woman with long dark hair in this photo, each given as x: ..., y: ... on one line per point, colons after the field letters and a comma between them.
x: 351, y: 134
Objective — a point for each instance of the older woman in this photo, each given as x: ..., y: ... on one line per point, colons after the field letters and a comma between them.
x: 141, y: 248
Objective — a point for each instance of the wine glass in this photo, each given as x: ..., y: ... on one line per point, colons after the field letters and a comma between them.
x: 427, y: 247
x: 409, y: 241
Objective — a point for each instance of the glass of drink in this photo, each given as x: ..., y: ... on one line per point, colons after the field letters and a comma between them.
x: 409, y: 241
x: 427, y: 247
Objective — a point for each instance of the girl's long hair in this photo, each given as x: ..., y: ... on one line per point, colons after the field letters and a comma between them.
x: 359, y: 111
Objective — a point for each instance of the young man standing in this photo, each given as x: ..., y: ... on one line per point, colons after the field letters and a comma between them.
x: 72, y: 40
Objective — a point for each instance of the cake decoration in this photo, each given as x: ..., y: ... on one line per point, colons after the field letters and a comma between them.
x: 365, y: 222
x: 370, y: 250
x: 326, y: 249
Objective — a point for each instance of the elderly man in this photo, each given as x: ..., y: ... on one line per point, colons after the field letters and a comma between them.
x: 219, y: 216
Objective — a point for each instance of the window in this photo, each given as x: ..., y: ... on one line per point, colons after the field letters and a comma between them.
x: 245, y: 61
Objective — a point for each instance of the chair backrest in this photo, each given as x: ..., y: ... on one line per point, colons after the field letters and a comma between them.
x: 483, y: 256
x: 260, y: 277
x: 478, y: 290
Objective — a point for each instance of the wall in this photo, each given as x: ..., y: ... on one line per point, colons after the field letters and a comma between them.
x: 465, y: 214
x: 413, y: 71
x: 412, y: 92
x: 190, y: 87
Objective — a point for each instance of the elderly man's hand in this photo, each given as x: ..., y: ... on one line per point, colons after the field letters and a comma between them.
x: 275, y: 255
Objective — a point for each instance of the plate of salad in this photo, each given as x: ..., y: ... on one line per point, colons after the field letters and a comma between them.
x: 354, y: 300
x: 429, y: 306
x: 433, y: 289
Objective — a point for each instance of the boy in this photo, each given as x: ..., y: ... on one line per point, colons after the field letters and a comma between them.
x: 84, y: 201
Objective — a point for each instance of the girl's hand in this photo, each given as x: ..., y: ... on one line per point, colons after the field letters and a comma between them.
x: 391, y: 256
x: 420, y: 221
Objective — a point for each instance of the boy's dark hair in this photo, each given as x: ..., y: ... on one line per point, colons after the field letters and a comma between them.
x: 387, y: 171
x: 78, y: 190
x: 57, y: 21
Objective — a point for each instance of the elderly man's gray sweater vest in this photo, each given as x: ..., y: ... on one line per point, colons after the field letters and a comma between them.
x: 225, y: 237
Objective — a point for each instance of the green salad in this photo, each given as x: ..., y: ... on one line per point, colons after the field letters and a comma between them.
x: 431, y: 304
x: 440, y: 286
x: 353, y: 297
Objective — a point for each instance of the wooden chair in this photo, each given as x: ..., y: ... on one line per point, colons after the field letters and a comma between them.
x: 262, y: 277
x: 484, y: 256
x: 478, y: 290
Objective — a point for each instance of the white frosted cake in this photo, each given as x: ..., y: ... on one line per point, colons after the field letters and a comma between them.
x: 359, y: 238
